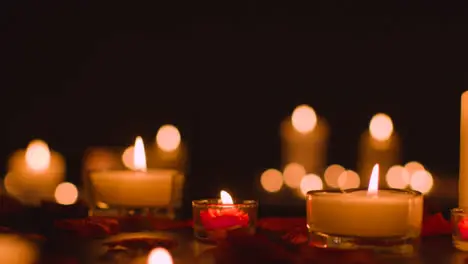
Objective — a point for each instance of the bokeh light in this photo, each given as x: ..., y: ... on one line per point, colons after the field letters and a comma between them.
x: 348, y: 180
x: 127, y: 158
x: 304, y: 119
x: 293, y: 173
x: 413, y: 166
x: 168, y: 138
x: 381, y: 127
x: 271, y: 180
x: 66, y: 193
x: 38, y: 155
x: 397, y: 177
x: 159, y: 256
x: 422, y: 181
x: 332, y: 173
x: 310, y: 182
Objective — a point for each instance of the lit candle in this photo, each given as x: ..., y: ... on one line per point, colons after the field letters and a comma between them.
x: 138, y: 188
x: 34, y: 174
x: 304, y: 139
x: 380, y: 144
x: 463, y: 177
x: 371, y: 213
x: 225, y: 217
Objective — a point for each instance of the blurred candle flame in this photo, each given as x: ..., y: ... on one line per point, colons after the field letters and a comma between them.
x: 304, y: 119
x: 311, y: 182
x: 139, y: 156
x: 168, y: 138
x: 159, y: 256
x: 381, y: 127
x: 422, y: 181
x: 66, y: 193
x: 271, y: 180
x: 374, y: 181
x: 226, y: 198
x: 38, y: 155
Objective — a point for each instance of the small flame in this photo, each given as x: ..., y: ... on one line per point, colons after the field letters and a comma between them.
x: 38, y: 155
x: 160, y: 256
x: 226, y: 198
x: 374, y: 181
x: 139, y: 157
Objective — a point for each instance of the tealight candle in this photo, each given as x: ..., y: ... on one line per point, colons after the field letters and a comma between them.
x: 137, y: 188
x: 373, y: 218
x: 304, y: 139
x: 34, y: 174
x: 380, y: 144
x: 213, y: 218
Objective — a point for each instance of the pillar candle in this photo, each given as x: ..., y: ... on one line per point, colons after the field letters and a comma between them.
x: 380, y: 144
x: 463, y: 177
x: 304, y: 140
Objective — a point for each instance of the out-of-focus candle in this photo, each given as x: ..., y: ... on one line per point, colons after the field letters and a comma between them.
x: 139, y: 188
x: 16, y: 250
x: 226, y: 217
x: 380, y: 144
x: 371, y: 213
x: 34, y: 173
x: 463, y: 177
x: 304, y: 139
x: 159, y: 256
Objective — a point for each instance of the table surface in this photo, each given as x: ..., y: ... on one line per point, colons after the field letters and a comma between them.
x: 433, y: 250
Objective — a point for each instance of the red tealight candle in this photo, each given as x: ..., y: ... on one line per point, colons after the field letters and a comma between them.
x: 224, y: 216
x: 463, y: 228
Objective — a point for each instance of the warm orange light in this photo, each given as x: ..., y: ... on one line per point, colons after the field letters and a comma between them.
x: 422, y: 181
x: 271, y: 180
x: 38, y: 155
x: 168, y: 138
x: 348, y: 179
x: 66, y: 193
x: 139, y: 156
x: 159, y: 256
x: 332, y: 173
x: 397, y: 177
x: 304, y: 119
x: 374, y: 181
x: 128, y: 158
x: 293, y: 173
x: 413, y: 166
x: 381, y: 127
x: 226, y: 198
x: 311, y: 182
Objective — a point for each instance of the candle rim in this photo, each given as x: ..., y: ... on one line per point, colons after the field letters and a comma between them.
x: 348, y: 191
x: 215, y: 203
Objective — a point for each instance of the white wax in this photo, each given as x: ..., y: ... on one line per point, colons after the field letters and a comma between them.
x: 357, y: 214
x: 463, y: 177
x: 134, y: 188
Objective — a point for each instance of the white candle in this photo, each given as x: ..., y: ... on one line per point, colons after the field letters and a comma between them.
x: 380, y: 144
x: 463, y: 177
x: 371, y: 213
x: 16, y: 250
x: 34, y: 173
x: 135, y: 188
x: 304, y: 139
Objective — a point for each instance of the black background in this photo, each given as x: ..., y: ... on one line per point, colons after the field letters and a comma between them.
x: 78, y: 74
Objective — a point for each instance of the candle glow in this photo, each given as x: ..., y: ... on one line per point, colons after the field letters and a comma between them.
x: 66, y: 193
x: 304, y: 119
x: 381, y: 127
x: 226, y: 198
x: 159, y: 256
x: 168, y: 138
x: 37, y: 155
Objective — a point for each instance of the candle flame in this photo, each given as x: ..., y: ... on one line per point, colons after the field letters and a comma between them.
x: 304, y: 119
x: 160, y: 256
x: 38, y: 155
x: 374, y: 181
x: 139, y: 157
x: 226, y: 198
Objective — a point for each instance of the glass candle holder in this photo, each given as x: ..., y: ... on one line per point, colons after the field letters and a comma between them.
x: 212, y: 220
x: 388, y: 222
x: 459, y: 219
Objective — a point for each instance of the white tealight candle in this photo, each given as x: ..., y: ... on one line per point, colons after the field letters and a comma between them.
x: 34, y: 173
x: 371, y: 213
x: 137, y: 188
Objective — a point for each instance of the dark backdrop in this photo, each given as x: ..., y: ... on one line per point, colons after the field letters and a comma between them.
x: 78, y: 74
